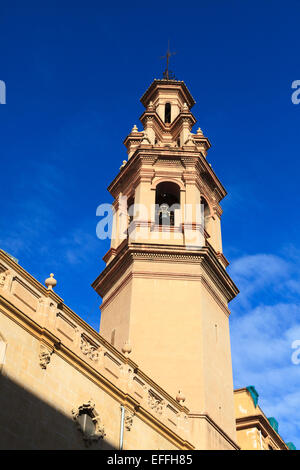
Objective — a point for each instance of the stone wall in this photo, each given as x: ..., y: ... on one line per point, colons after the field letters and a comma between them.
x: 53, y: 363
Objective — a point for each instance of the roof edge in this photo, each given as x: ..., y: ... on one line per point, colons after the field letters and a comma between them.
x: 156, y: 81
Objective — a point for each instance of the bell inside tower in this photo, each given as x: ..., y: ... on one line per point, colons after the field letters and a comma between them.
x: 167, y: 200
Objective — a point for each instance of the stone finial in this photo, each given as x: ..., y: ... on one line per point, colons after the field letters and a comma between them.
x: 50, y: 281
x: 126, y: 349
x: 199, y: 131
x: 134, y: 129
x: 180, y: 397
x: 123, y: 164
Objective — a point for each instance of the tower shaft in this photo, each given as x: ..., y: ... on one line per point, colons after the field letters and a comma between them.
x: 165, y: 287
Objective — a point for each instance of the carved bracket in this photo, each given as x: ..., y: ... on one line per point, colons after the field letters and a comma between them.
x: 45, y: 356
x: 156, y: 404
x: 5, y: 278
x: 128, y: 419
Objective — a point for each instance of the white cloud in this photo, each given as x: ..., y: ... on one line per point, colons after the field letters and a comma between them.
x: 264, y: 323
x: 257, y: 273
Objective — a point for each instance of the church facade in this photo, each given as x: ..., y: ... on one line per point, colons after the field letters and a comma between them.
x: 159, y: 374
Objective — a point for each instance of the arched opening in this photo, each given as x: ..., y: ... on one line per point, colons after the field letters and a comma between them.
x: 86, y: 423
x: 167, y: 113
x: 130, y: 209
x: 206, y: 214
x: 167, y: 200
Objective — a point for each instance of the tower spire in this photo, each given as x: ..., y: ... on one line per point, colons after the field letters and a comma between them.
x: 168, y: 75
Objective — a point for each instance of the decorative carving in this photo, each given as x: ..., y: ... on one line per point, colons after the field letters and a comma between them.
x: 128, y: 419
x: 89, y: 349
x: 45, y: 356
x: 170, y: 162
x: 4, y: 278
x: 150, y: 106
x: 190, y: 140
x: 89, y: 409
x: 156, y: 404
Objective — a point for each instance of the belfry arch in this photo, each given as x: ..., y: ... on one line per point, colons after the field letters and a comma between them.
x: 206, y: 212
x: 167, y: 113
x: 167, y: 201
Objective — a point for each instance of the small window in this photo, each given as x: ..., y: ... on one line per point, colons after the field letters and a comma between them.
x: 167, y: 113
x: 86, y: 424
x: 206, y: 214
x: 130, y: 209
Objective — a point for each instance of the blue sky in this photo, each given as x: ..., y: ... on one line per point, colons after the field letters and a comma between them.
x: 74, y: 73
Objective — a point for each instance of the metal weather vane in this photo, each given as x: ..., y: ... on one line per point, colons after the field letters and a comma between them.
x: 168, y: 75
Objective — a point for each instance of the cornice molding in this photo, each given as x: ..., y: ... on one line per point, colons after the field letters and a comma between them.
x: 25, y: 275
x: 262, y: 423
x: 167, y: 275
x: 205, y: 256
x: 192, y: 160
x: 171, y: 84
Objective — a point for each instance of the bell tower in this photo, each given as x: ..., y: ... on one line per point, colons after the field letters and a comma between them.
x: 165, y: 288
